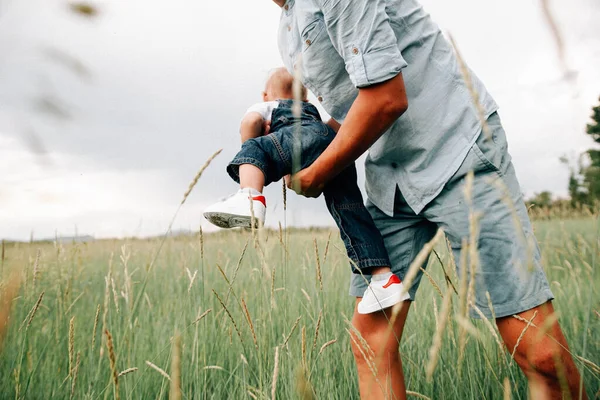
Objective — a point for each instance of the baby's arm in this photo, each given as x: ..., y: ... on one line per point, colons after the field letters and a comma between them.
x: 333, y: 124
x: 257, y: 119
x: 252, y: 126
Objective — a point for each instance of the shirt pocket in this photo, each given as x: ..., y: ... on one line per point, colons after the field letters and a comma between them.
x: 321, y: 66
x: 317, y: 56
x: 491, y: 147
x: 311, y: 33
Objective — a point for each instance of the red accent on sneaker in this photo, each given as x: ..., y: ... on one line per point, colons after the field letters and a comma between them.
x: 393, y: 279
x: 261, y: 199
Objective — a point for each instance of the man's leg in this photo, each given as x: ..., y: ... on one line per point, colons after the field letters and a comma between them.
x: 508, y: 267
x: 542, y: 353
x: 377, y: 356
x: 378, y: 362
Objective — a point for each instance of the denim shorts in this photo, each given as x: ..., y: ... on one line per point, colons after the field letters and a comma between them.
x: 509, y: 266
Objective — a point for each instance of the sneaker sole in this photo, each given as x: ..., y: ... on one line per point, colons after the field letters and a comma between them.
x: 382, y: 304
x: 225, y: 220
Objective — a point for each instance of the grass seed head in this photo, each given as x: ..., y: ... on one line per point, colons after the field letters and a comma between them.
x: 250, y: 324
x: 326, y: 345
x: 291, y: 331
x: 113, y: 362
x: 528, y: 323
x: 284, y: 194
x: 229, y: 315
x: 127, y: 371
x: 204, y: 314
x: 36, y: 268
x: 95, y: 326
x: 71, y: 345
x: 304, y: 345
x: 317, y: 331
x: 34, y: 309
x: 198, y: 175
x: 318, y: 264
x: 158, y: 369
x: 75, y: 374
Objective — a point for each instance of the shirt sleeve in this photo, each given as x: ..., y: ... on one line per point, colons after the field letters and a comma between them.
x: 361, y: 33
x: 264, y: 109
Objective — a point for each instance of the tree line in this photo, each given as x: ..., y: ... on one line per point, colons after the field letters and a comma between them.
x: 584, y: 177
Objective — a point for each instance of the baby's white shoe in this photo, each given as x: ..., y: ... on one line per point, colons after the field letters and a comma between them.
x: 238, y: 210
x: 382, y: 294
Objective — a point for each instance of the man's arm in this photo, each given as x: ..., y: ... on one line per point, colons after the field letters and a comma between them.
x: 375, y: 109
x: 252, y: 126
x: 363, y: 37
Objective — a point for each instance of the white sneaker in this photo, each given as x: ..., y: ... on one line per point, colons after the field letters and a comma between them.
x: 237, y: 210
x: 381, y: 295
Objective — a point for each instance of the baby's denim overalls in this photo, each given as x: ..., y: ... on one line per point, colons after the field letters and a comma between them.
x: 272, y: 154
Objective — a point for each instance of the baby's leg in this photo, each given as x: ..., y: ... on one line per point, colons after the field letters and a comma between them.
x: 251, y: 167
x: 364, y: 244
x: 363, y: 241
x: 260, y: 162
x: 251, y: 177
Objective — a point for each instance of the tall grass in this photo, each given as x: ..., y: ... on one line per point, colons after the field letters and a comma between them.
x: 267, y: 336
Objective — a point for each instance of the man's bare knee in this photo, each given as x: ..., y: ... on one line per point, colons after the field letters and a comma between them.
x: 373, y: 346
x: 538, y: 360
x: 375, y: 333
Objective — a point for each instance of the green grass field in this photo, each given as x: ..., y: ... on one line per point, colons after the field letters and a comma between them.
x: 154, y: 316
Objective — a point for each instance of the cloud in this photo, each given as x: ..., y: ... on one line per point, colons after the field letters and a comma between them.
x: 75, y: 194
x: 167, y: 83
x: 72, y: 192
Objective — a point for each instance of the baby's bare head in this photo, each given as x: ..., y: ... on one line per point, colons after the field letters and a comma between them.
x: 280, y: 85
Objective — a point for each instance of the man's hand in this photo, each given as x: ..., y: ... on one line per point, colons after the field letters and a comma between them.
x: 305, y: 184
x: 266, y: 127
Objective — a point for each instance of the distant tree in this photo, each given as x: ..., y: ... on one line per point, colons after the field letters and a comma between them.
x: 584, y: 178
x: 593, y: 129
x: 543, y: 199
x: 577, y: 191
x: 591, y: 174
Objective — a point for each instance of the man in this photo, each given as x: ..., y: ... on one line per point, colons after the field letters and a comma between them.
x: 383, y: 70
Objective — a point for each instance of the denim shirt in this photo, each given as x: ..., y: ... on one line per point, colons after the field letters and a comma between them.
x: 343, y: 45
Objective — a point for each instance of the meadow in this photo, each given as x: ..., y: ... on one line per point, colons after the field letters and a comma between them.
x: 261, y: 315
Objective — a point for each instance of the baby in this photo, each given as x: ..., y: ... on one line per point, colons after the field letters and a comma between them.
x: 267, y: 158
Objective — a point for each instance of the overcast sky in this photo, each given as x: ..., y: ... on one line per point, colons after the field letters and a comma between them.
x: 127, y: 106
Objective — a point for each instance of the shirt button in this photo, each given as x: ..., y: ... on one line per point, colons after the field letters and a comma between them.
x: 320, y: 98
x: 394, y: 165
x: 308, y: 42
x: 286, y: 7
x: 289, y: 28
x: 355, y: 51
